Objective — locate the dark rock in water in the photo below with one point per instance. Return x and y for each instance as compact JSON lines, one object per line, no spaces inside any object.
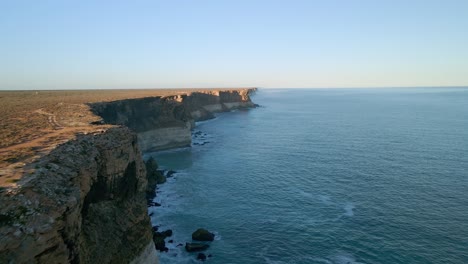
{"x":210,"y":255}
{"x":159,"y":243}
{"x":167,"y":233}
{"x":155,"y":228}
{"x":158,"y":238}
{"x":179,"y":245}
{"x":203,"y":235}
{"x":163,"y":234}
{"x":170,"y":241}
{"x":201,"y":256}
{"x":192,"y":247}
{"x":170,"y":173}
{"x":154,"y":204}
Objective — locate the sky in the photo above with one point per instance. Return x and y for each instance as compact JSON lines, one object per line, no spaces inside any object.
{"x":239,"y":43}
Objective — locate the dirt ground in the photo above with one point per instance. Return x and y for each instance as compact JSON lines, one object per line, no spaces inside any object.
{"x":34,"y":122}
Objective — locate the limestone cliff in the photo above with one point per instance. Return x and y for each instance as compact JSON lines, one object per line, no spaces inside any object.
{"x":165,"y":122}
{"x":83,"y":203}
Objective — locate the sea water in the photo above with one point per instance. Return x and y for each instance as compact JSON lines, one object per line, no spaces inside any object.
{"x":325,"y":176}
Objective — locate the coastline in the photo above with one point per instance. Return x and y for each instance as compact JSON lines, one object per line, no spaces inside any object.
{"x":166,"y":199}
{"x":95,"y":182}
{"x":169,"y":200}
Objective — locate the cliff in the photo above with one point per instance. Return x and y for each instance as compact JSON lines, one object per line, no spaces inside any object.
{"x":84,"y":201}
{"x":165,"y":122}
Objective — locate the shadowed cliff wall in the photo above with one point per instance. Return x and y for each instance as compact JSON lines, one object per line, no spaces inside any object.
{"x":85,"y":203}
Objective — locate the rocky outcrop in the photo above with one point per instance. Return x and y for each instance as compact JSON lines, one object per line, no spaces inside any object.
{"x":165,"y":122}
{"x":202,"y":234}
{"x":82,"y":203}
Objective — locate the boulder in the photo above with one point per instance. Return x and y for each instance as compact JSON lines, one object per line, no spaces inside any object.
{"x":192,"y":247}
{"x":203,"y":235}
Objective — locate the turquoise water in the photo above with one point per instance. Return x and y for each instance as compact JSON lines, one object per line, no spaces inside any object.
{"x":326,"y":176}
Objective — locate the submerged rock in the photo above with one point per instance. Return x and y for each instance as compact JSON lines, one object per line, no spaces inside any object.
{"x":192,"y":247}
{"x":201,"y":256}
{"x":203,"y":235}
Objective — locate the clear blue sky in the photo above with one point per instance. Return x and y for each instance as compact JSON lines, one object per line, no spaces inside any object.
{"x":155,"y":44}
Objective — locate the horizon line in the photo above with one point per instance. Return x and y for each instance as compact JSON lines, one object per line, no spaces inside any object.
{"x":246,"y":87}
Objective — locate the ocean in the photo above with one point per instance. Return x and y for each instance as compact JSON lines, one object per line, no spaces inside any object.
{"x":325,"y":176}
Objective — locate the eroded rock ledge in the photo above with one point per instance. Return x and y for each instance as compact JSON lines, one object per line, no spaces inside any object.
{"x":85,"y":202}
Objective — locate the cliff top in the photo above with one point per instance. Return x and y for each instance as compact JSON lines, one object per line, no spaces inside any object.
{"x":32,"y":123}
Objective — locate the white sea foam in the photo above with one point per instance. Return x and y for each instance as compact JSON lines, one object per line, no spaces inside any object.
{"x":344,"y":258}
{"x":305,"y":194}
{"x":270,"y":261}
{"x":325,"y":199}
{"x":349,"y":207}
{"x":205,"y":121}
{"x":217,"y":236}
{"x":319,"y":260}
{"x":263,"y":253}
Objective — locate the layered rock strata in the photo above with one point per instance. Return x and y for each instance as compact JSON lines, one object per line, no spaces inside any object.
{"x":165,"y":122}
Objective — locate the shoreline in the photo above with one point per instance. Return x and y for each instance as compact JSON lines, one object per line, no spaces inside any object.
{"x":167,"y":199}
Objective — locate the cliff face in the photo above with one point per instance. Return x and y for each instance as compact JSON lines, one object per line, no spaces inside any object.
{"x":85,"y":203}
{"x":165,"y":122}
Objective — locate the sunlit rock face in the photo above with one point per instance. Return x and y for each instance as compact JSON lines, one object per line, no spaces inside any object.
{"x":165,"y":122}
{"x":85,"y":203}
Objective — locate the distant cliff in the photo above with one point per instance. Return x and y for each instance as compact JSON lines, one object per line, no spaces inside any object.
{"x":165,"y":122}
{"x":84,"y":202}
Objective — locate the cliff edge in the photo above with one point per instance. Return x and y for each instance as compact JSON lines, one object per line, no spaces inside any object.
{"x":165,"y":122}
